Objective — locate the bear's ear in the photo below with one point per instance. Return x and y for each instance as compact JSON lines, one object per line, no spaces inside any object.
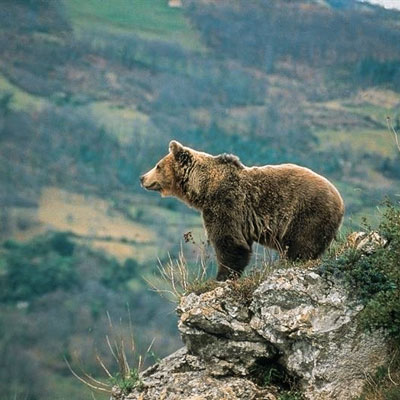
{"x":180,"y":153}
{"x":175,"y":147}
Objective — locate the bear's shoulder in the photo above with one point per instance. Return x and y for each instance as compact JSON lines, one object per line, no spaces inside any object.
{"x":229,"y":159}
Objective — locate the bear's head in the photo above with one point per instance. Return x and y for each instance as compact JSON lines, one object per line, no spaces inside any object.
{"x":171,"y":171}
{"x":190,"y":175}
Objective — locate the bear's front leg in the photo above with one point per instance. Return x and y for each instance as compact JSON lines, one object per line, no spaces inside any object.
{"x":232,"y":257}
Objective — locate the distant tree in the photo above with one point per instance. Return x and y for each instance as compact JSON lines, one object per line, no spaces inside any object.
{"x":5,"y":222}
{"x":5,"y":102}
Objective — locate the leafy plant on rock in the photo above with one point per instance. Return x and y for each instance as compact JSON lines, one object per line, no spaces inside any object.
{"x":374,"y":275}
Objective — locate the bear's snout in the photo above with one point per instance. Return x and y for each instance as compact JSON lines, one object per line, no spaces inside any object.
{"x":148,"y":182}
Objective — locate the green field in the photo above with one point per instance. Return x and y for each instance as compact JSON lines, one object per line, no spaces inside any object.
{"x":21,"y":100}
{"x":121,"y":121}
{"x":373,"y":141}
{"x":151,"y":19}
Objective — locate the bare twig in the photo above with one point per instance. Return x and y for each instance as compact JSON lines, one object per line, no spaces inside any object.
{"x":97,"y":382}
{"x":131,"y":329}
{"x":389,"y":375}
{"x":100,"y":361}
{"x":393,"y":130}
{"x":84,"y":381}
{"x":111,"y":348}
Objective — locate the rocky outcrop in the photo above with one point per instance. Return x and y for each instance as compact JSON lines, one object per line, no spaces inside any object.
{"x":182,"y":376}
{"x":297,"y":326}
{"x":313,"y":324}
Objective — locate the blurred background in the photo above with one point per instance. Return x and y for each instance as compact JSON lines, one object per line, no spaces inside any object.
{"x":92,"y":91}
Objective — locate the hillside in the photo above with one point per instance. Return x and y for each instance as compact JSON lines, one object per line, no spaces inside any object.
{"x":90,"y":95}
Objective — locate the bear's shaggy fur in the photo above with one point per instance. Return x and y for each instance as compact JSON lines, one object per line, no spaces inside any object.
{"x":285,"y":207}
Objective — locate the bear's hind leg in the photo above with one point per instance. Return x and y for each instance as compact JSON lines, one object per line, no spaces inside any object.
{"x":309,"y":242}
{"x":232,"y":257}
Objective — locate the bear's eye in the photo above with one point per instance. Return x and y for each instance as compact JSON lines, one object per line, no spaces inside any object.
{"x":158,"y":167}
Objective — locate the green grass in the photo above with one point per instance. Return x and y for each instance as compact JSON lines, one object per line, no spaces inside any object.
{"x":373,"y":141}
{"x":128,"y":382}
{"x":376,"y":113}
{"x":21,"y":100}
{"x":151,"y":19}
{"x":121,"y":122}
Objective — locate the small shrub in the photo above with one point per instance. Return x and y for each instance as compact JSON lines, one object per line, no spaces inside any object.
{"x":375,"y":277}
{"x":127,"y":382}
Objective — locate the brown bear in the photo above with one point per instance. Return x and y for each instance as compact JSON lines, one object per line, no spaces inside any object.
{"x":285,"y":207}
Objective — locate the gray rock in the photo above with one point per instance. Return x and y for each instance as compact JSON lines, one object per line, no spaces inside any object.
{"x":182,"y":376}
{"x":313,"y":323}
{"x":215,"y":327}
{"x":297,"y":320}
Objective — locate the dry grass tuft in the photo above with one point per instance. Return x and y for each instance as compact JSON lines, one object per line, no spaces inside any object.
{"x":177,"y":278}
{"x":127,"y":376}
{"x":385,"y":384}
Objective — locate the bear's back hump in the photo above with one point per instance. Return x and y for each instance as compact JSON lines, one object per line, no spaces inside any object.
{"x":293,"y":180}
